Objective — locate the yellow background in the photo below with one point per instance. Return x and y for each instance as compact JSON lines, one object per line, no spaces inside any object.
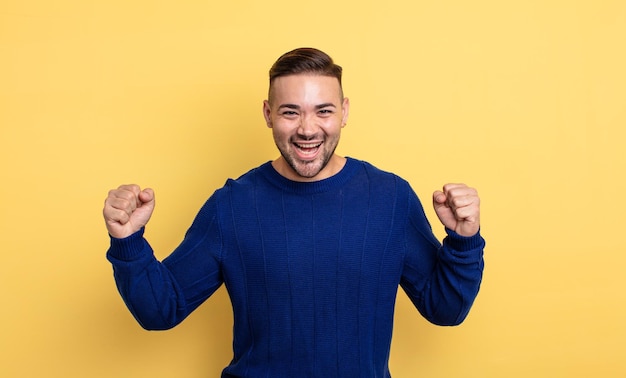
{"x":524,"y":100}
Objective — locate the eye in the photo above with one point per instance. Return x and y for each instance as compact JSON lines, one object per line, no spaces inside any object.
{"x":325,"y":112}
{"x":289,"y":113}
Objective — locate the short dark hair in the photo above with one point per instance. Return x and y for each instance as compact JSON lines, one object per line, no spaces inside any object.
{"x":305,"y":60}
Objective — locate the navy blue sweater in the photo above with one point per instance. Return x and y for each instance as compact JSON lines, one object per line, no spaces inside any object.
{"x":312,"y":271}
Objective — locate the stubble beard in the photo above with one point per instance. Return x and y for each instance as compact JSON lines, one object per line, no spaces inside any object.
{"x":309,"y":169}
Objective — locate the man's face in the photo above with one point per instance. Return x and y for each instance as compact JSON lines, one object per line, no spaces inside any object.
{"x":306,"y":113}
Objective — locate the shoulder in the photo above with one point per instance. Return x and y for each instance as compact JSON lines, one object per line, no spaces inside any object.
{"x":247,"y":179}
{"x":236,"y":187}
{"x":380,"y":176}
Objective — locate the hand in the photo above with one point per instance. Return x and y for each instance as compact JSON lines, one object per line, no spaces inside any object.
{"x":458,"y":208}
{"x":127,"y":209}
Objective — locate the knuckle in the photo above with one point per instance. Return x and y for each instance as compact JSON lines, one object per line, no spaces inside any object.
{"x":127,"y":196}
{"x":455,"y":201}
{"x":123,"y":203}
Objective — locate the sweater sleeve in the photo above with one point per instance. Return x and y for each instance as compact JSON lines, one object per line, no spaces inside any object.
{"x":442,"y":280}
{"x":161,"y":294}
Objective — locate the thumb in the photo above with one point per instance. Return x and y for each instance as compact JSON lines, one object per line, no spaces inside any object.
{"x":145,"y":207}
{"x":439,"y":199}
{"x":146,"y":197}
{"x":443,"y":210}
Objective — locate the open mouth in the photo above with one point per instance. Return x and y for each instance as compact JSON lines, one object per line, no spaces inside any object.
{"x":307,"y":149}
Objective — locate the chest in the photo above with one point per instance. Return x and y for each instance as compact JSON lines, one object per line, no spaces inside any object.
{"x":337,"y":241}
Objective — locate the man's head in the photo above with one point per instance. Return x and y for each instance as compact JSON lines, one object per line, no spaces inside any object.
{"x":306,"y":111}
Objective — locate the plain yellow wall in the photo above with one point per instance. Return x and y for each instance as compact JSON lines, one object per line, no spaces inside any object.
{"x":524,"y":100}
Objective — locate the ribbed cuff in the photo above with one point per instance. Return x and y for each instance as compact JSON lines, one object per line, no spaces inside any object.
{"x":130,"y":248}
{"x":462,"y":243}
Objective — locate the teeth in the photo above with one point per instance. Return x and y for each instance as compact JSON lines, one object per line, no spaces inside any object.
{"x":308,"y":145}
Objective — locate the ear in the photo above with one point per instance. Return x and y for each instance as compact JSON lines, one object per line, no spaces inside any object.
{"x":345,"y":111}
{"x":267,"y":111}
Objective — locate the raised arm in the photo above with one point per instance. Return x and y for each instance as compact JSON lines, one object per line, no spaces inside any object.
{"x":442,"y":280}
{"x":160,"y":294}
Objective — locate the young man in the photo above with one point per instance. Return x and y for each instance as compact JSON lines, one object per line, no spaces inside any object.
{"x":311,"y":247}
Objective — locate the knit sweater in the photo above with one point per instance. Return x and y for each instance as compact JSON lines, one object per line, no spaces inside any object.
{"x":312,"y":270}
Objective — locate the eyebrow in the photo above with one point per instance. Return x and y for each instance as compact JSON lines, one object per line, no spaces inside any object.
{"x":297,"y":107}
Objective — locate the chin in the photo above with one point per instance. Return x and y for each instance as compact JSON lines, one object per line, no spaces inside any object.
{"x":308,"y":172}
{"x":307,"y":169}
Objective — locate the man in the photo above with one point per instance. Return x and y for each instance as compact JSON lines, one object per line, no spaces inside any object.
{"x":311,"y":246}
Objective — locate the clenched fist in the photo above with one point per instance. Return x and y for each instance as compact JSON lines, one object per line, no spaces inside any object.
{"x":458,"y":208}
{"x":127,"y":209}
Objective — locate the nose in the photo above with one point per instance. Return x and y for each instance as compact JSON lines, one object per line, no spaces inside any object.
{"x":308,"y":126}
